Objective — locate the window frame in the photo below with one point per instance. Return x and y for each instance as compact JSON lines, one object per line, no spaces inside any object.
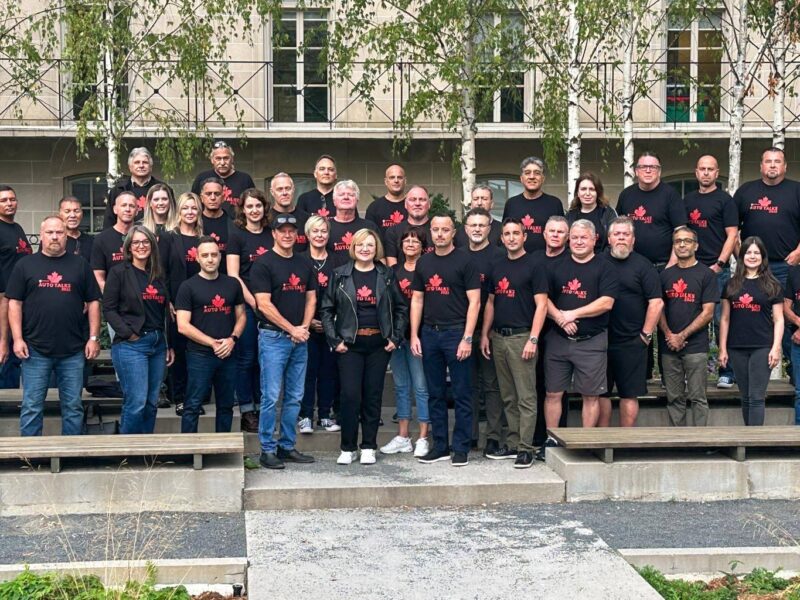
{"x":90,"y":211}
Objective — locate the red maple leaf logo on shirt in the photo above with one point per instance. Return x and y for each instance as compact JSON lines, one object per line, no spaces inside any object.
{"x":141,"y":202}
{"x":323,"y":212}
{"x":363,"y":292}
{"x":435,"y":281}
{"x":54,"y":277}
{"x":764,"y":201}
{"x":293,"y":279}
{"x":679,"y":286}
{"x":261,"y":250}
{"x":503,"y":283}
{"x":640,"y":212}
{"x":574,"y":285}
{"x":396,"y":217}
{"x":191,"y":254}
{"x":215,"y":236}
{"x":22,"y":244}
{"x":527,"y":221}
{"x":745,"y":299}
{"x":404,"y":283}
{"x":150,"y":290}
{"x":227,"y":193}
{"x":322,"y":278}
{"x":347,"y":238}
{"x":218,"y":301}
{"x":695,"y":215}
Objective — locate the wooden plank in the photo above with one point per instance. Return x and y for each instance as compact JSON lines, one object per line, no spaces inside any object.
{"x":14,"y":397}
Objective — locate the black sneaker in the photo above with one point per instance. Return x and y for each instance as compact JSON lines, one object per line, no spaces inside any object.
{"x":294,"y":456}
{"x":548,"y":443}
{"x":502,"y":453}
{"x":163,"y":402}
{"x":492,"y":447}
{"x":460,"y":459}
{"x":395,"y":419}
{"x":179,"y":409}
{"x":434,"y":456}
{"x":269,"y":460}
{"x":524,"y":460}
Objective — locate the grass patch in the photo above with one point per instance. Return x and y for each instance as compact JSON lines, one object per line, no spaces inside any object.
{"x":759,"y":584}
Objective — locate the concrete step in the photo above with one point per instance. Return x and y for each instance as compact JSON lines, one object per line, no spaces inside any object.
{"x":399,"y":480}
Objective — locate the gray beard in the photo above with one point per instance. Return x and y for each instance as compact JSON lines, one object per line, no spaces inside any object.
{"x":620,"y":254}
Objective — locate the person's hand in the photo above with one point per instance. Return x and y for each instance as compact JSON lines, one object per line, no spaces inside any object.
{"x":571,"y":328}
{"x":793,"y":258}
{"x":21,"y":350}
{"x":486,"y":347}
{"x":389,"y":347}
{"x":5,"y":351}
{"x":464,"y":350}
{"x":223,"y":348}
{"x":299,"y":334}
{"x":796,"y":336}
{"x":416,"y":346}
{"x":133,"y":337}
{"x":675,"y":341}
{"x":341,"y":348}
{"x":92,"y":349}
{"x":722,"y":358}
{"x":316,"y":325}
{"x":529,"y":351}
{"x":716,"y":268}
{"x":774,"y":358}
{"x":170,"y":357}
{"x":568,"y":316}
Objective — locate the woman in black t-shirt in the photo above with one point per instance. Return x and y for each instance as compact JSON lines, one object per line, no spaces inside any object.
{"x":589,"y":202}
{"x":159,"y":208}
{"x":249,"y":239}
{"x":751,"y":327}
{"x":135,"y":304}
{"x":364,"y":317}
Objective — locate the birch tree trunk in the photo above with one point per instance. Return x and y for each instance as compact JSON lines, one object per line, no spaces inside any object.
{"x":738,"y":95}
{"x":469,"y":128}
{"x":108,"y":103}
{"x":573,"y":98}
{"x":777,"y":79}
{"x":627,"y":104}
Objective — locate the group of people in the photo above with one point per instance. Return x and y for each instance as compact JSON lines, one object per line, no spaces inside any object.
{"x":303,"y":301}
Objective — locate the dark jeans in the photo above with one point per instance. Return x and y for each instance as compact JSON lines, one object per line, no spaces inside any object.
{"x":722,"y":279}
{"x":176,"y":374}
{"x":322,"y":378}
{"x":438,"y":356}
{"x":362,"y":371}
{"x":204,"y":370}
{"x":11,"y":370}
{"x":751,"y":366}
{"x":248,"y":388}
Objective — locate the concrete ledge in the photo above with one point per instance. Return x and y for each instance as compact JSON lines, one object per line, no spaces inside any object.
{"x":711,"y":561}
{"x":653,"y":414}
{"x":124,"y":488}
{"x":169,"y":571}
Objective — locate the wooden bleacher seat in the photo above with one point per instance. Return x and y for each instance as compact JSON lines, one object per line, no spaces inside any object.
{"x":13,"y":398}
{"x":94,"y":446}
{"x":603,"y":440}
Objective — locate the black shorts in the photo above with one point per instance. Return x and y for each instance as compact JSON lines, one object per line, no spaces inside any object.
{"x":627,"y":368}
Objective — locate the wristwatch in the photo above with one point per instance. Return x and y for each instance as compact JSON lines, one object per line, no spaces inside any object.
{"x":647,"y":336}
{"x":533,"y":339}
{"x":92,"y":338}
{"x":721,"y":264}
{"x":235,"y":338}
{"x":468,"y":339}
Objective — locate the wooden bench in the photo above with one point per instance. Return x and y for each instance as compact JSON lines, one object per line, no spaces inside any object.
{"x":13,"y":398}
{"x":93,"y":446}
{"x":604,"y":440}
{"x":778,"y":390}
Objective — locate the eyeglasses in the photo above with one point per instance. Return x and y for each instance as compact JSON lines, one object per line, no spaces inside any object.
{"x":648,"y":167}
{"x":684,"y":242}
{"x":142,"y":243}
{"x":220,"y":144}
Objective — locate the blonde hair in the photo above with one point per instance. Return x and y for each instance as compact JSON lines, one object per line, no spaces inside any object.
{"x":316,"y":221}
{"x":360,"y":236}
{"x":175,"y":221}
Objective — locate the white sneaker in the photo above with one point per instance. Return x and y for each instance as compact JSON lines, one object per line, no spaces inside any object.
{"x":397,"y":445}
{"x":421,"y":448}
{"x":347,"y":458}
{"x":329,"y":425}
{"x":306,"y":426}
{"x":368,"y":456}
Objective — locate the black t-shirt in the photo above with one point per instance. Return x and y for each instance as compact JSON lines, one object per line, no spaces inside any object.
{"x":655,"y":214}
{"x":219,"y":228}
{"x":445,"y":281}
{"x":514,"y":283}
{"x":212,"y":304}
{"x":495,"y":235}
{"x":189,"y":245}
{"x":154,"y":298}
{"x":392,"y":245}
{"x":81,"y":245}
{"x":315,"y":202}
{"x":13,"y":246}
{"x":709,"y":214}
{"x":287,"y":280}
{"x":366,"y":297}
{"x":107,"y":249}
{"x":574,"y":285}
{"x":302,"y":242}
{"x":792,"y":291}
{"x":385,"y":214}
{"x":341,"y":235}
{"x":533,"y":214}
{"x":233,"y":186}
{"x":685,"y":291}
{"x":751,"y":324}
{"x":126,"y":184}
{"x":248,"y":246}
{"x":483,"y":260}
{"x":772,"y":212}
{"x":404,"y":279}
{"x":638,"y":284}
{"x":53,"y":292}
{"x":324,"y":269}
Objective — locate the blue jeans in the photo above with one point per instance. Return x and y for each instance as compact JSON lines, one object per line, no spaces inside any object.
{"x":204,"y":369}
{"x":247,"y":363}
{"x":283,"y":364}
{"x":439,"y":355}
{"x":780,"y":270}
{"x":10,"y":370}
{"x":140,"y":367}
{"x":722,"y":279}
{"x":408,"y":373}
{"x":321,"y":378}
{"x":35,"y":378}
{"x":796,"y":367}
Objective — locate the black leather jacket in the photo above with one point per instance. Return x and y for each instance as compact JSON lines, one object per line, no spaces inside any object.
{"x":338,"y":309}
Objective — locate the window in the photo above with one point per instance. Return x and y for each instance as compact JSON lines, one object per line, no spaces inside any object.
{"x":694,"y":69}
{"x":503,"y":187}
{"x":684,"y":184}
{"x":507,"y":104}
{"x":91,"y":190}
{"x":299,"y":77}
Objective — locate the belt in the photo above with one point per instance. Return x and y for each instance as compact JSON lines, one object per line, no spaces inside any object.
{"x":446,"y":327}
{"x":270,"y":327}
{"x":509,"y":331}
{"x":579,"y":338}
{"x":368,"y":331}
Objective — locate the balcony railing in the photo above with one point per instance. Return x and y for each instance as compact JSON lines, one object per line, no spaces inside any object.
{"x":54,"y":100}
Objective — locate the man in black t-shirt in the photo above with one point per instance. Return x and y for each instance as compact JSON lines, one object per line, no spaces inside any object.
{"x":140,"y":166}
{"x":515,"y":313}
{"x":346,"y":221}
{"x":482,"y":197}
{"x":210,"y":313}
{"x":233,"y":182}
{"x":54,"y":314}
{"x":533,"y":207}
{"x":216,"y":223}
{"x":633,"y":320}
{"x":13,"y":246}
{"x":107,"y":246}
{"x":418,"y":205}
{"x":444,"y":311}
{"x":319,"y":201}
{"x":78,"y":242}
{"x":284,"y":284}
{"x":281,"y":188}
{"x":690,"y":293}
{"x":389,"y":210}
{"x":713,"y":217}
{"x":582,"y":292}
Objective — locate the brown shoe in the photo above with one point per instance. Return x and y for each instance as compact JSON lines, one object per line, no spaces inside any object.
{"x":250,"y":422}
